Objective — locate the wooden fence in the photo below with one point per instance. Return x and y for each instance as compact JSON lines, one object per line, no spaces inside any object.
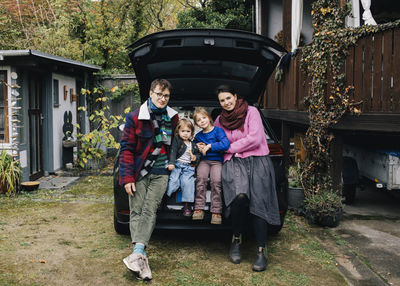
{"x":372,"y":67}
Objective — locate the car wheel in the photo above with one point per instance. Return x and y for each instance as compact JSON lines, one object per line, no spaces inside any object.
{"x":120,"y":228}
{"x":349,"y":193}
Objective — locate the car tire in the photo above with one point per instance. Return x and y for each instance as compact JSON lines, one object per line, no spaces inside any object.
{"x":120,"y":228}
{"x":349,"y":193}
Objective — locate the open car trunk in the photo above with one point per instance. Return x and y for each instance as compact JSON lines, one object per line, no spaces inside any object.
{"x":196,"y":61}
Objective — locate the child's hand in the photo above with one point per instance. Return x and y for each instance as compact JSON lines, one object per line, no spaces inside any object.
{"x":205,"y":149}
{"x":200,"y":145}
{"x":170,"y":167}
{"x":192,"y":157}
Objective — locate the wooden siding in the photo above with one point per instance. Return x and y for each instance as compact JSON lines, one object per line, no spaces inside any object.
{"x":372,"y":67}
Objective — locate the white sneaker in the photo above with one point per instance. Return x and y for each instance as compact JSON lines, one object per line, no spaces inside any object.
{"x":145,"y":272}
{"x":133,"y":262}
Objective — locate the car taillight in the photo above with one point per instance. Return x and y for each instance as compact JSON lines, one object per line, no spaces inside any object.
{"x":275,"y":149}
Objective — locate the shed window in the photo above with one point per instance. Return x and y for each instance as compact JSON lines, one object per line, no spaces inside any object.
{"x":3,"y":108}
{"x":55,"y":93}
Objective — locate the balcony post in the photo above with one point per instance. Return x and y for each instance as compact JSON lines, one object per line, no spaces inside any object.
{"x":287,"y":23}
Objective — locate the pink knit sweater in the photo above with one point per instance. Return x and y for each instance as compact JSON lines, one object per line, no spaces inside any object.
{"x":251,"y":141}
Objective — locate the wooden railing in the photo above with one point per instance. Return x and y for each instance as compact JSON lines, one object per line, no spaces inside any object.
{"x":372,"y":67}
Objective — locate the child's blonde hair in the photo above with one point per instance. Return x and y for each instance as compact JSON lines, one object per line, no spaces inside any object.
{"x":184,"y":122}
{"x":201,"y":111}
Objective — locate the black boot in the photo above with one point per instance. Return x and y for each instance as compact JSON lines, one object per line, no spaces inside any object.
{"x":261,"y":261}
{"x":234,"y":252}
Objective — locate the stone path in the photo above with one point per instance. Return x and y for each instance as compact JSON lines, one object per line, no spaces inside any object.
{"x":53,"y":182}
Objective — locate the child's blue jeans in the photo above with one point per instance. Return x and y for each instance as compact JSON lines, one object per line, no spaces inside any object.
{"x":182,"y":176}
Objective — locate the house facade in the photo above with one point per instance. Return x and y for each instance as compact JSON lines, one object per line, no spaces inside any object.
{"x":287,"y":16}
{"x":37,"y":91}
{"x":372,"y":67}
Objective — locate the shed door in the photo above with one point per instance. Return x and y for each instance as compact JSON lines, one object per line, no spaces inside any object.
{"x":35,"y":128}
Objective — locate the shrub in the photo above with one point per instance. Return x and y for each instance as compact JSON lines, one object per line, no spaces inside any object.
{"x":10,"y":174}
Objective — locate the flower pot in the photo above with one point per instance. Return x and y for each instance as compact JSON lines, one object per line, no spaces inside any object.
{"x":30,"y":185}
{"x":94,"y":164}
{"x":295,"y":198}
{"x":68,"y":144}
{"x":325,"y":219}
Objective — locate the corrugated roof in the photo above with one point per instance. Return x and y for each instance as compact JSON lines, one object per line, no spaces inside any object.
{"x":16,"y":53}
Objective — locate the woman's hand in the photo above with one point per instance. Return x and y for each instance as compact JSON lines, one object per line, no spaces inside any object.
{"x":170,"y":167}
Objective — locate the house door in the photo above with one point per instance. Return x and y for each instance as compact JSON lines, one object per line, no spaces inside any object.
{"x":35,"y":128}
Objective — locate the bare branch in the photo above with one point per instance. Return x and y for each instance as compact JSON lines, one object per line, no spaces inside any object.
{"x":20,"y":20}
{"x":52,"y":11}
{"x":35,"y":13}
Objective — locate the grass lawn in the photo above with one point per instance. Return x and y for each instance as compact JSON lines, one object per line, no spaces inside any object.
{"x":53,"y":237}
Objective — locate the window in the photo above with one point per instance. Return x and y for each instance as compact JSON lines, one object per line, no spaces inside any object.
{"x":55,"y":93}
{"x":3,"y":108}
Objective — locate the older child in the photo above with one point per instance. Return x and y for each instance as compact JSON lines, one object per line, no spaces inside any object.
{"x":212,"y":141}
{"x":184,"y":154}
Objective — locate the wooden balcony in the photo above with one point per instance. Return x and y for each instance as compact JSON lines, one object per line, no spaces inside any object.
{"x":372,"y":67}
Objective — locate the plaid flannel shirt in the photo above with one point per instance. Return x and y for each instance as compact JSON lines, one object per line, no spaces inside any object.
{"x":136,"y":142}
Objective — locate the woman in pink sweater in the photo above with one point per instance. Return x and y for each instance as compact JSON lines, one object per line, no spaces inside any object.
{"x":248,"y":178}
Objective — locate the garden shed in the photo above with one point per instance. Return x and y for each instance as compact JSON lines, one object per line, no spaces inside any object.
{"x":36,"y":91}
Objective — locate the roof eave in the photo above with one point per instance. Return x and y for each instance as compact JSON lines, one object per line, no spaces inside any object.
{"x":17,"y":53}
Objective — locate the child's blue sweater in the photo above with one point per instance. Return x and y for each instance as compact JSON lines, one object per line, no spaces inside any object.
{"x":219,"y":143}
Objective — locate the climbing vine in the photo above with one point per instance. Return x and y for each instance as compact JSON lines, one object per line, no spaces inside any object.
{"x":327,"y":104}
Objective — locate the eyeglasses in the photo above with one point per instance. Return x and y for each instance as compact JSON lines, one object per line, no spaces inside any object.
{"x":161,"y":95}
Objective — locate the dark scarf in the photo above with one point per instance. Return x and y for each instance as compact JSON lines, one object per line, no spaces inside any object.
{"x":162,"y":135}
{"x":234,"y":119}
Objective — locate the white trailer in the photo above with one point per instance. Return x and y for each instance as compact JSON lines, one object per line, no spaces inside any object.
{"x":380,"y":166}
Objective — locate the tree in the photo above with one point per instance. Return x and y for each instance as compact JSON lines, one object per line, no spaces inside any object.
{"x":229,"y":14}
{"x":96,"y":32}
{"x":162,"y":14}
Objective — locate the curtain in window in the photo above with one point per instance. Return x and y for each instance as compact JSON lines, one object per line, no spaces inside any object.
{"x":367,"y":15}
{"x":3,"y":106}
{"x":297,"y":22}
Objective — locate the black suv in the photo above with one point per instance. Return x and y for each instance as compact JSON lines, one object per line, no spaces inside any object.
{"x":196,"y":61}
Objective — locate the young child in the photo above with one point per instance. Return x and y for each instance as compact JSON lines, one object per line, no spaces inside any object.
{"x":211,"y":141}
{"x":183,"y":157}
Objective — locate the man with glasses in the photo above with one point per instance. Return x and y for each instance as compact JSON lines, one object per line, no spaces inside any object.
{"x":145,"y":145}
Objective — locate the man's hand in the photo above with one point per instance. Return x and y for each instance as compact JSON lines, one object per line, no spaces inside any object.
{"x":130,"y":188}
{"x":170,"y":167}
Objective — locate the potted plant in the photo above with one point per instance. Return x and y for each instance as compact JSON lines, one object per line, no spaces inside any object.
{"x":69,"y":141}
{"x":295,"y":191}
{"x":325,"y":208}
{"x":10,"y":174}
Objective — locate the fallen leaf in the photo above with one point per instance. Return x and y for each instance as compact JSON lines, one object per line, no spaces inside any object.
{"x":42,"y":261}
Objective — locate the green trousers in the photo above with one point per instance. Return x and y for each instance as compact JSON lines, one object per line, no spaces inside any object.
{"x":143,"y":206}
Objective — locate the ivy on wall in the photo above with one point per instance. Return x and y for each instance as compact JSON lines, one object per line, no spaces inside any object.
{"x":327,"y":104}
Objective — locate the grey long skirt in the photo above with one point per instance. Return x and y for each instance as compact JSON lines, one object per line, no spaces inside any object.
{"x":255,"y":177}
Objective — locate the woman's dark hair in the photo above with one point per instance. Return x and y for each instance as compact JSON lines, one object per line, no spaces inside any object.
{"x":224,"y":88}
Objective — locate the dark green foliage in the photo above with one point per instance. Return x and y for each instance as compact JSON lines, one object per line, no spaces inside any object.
{"x":229,"y":14}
